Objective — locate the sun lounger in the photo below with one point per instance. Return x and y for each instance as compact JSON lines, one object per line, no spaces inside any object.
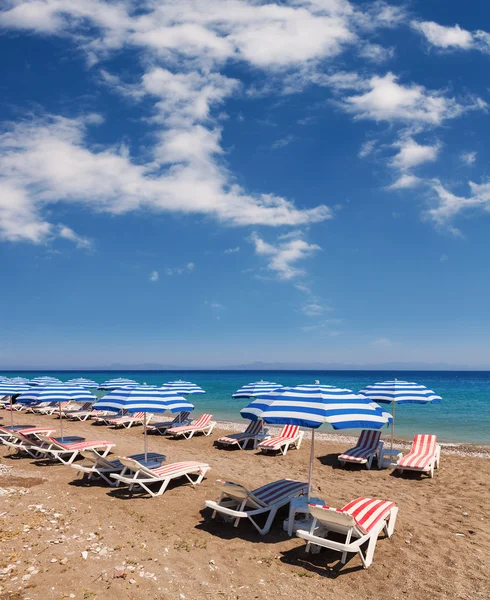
{"x":161,"y":427}
{"x":127,"y":421}
{"x":52,"y":408}
{"x":95,"y":466}
{"x":289,"y":436}
{"x":361,"y":521}
{"x":237,"y":502}
{"x":26,"y":439}
{"x":68,"y":412}
{"x":84,"y":415}
{"x":106,"y":417}
{"x":254,"y":433}
{"x":366,"y":448}
{"x":424,"y":455}
{"x":138,"y":474}
{"x":202,"y":425}
{"x":67,"y":451}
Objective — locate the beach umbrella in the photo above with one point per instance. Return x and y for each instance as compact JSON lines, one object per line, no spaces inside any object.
{"x":18,"y":380}
{"x":183,"y":388}
{"x":114,"y":384}
{"x":313,"y":405}
{"x":86,"y":383}
{"x":143,"y":398}
{"x":45,"y":381}
{"x":258,"y":387}
{"x":399,"y":392}
{"x":56,"y":393}
{"x":9,"y":389}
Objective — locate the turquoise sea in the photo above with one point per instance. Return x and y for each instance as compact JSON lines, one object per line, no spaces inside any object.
{"x":463,"y":416}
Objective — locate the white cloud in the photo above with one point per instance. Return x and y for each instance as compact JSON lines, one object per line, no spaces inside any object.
{"x":387,"y":100}
{"x":453,"y":37}
{"x":283,"y":142}
{"x":382,"y":342}
{"x":68,"y":234}
{"x":469,"y":158}
{"x":314,"y":309}
{"x":448,"y":205}
{"x":444,"y":37}
{"x":154,"y":276}
{"x":376,"y":53}
{"x":190,"y":266}
{"x":412,"y":154}
{"x":232,"y":250}
{"x":406,"y":181}
{"x":328,"y":326}
{"x":284,"y":256}
{"x":367,"y":148}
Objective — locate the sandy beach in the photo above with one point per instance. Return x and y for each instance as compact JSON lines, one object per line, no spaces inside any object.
{"x":61,"y":538}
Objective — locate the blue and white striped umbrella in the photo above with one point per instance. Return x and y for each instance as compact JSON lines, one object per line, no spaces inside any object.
{"x":114,"y":384}
{"x":9,"y":389}
{"x":399,"y":392}
{"x":311,"y":406}
{"x":45,"y":381}
{"x":86,"y":383}
{"x":143,"y":398}
{"x":56,"y":393}
{"x":258,"y":387}
{"x":182,"y":387}
{"x":17,"y":380}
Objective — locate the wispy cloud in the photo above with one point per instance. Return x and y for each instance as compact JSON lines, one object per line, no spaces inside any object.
{"x":469,"y":158}
{"x":154,"y":276}
{"x":382,"y":342}
{"x":453,"y":37}
{"x":188,"y":268}
{"x":284,"y":256}
{"x":283,"y":142}
{"x":314,"y":309}
{"x":232,"y":250}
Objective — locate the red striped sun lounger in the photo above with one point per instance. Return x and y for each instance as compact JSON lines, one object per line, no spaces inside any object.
{"x":162,"y":426}
{"x":361,"y":521}
{"x":424,"y":455}
{"x":237,"y":502}
{"x":290,"y":436}
{"x":137,"y":474}
{"x":365,"y":450}
{"x":202,"y":425}
{"x":96,"y":467}
{"x":130,"y":419}
{"x":69,"y":412}
{"x":254,"y":433}
{"x":67,"y":452}
{"x":22,"y":439}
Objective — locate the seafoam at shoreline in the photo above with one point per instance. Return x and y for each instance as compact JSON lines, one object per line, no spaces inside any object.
{"x":473,"y":450}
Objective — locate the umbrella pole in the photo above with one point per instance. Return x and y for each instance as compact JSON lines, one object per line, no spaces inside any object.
{"x":312,"y":453}
{"x":146,"y":439}
{"x":393,"y":423}
{"x":61,"y":421}
{"x":11,"y":412}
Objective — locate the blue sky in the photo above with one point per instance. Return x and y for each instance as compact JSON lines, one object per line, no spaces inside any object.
{"x":204,"y":184}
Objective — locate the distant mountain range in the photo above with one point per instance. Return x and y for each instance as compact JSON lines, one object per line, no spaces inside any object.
{"x":267,"y":366}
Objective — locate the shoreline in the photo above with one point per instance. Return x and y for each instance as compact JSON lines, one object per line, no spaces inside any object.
{"x":456,"y":448}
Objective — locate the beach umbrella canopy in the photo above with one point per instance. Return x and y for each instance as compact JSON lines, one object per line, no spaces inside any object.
{"x":399,"y":392}
{"x":56,"y":393}
{"x":258,"y":387}
{"x":45,"y":381}
{"x":312,"y":406}
{"x":143,"y":398}
{"x":114,"y":384}
{"x":10,"y":389}
{"x":182,"y":387}
{"x":86,"y":383}
{"x":18,"y":380}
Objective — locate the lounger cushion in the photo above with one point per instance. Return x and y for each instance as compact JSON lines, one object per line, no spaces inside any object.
{"x":367,"y":444}
{"x":366,"y":512}
{"x":274,"y":492}
{"x":421,"y":454}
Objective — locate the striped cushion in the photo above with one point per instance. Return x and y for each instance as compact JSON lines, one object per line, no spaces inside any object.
{"x":422,"y":452}
{"x":366,"y":512}
{"x":254,"y":427}
{"x":233,"y":439}
{"x":176,"y":467}
{"x":366,"y":444}
{"x":277,"y":491}
{"x":288,"y":433}
{"x":202,"y":422}
{"x":82,"y":445}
